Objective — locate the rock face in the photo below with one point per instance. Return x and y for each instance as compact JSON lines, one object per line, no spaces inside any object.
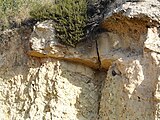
{"x":115,"y":76}
{"x":44,"y":88}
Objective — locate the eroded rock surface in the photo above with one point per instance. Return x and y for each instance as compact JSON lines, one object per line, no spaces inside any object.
{"x":44,"y":88}
{"x":131,"y":86}
{"x":115,"y":76}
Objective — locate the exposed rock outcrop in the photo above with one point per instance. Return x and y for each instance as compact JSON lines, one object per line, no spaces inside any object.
{"x":44,"y":88}
{"x":115,"y":76}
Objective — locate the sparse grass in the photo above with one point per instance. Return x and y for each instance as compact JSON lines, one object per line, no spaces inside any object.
{"x":13,"y":12}
{"x":69,"y":16}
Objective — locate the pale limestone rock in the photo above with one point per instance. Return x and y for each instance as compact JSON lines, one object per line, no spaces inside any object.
{"x":43,"y":36}
{"x":131,"y":89}
{"x":44,"y":88}
{"x":129,"y":94}
{"x":146,"y":9}
{"x":153,"y":40}
{"x":43,"y":79}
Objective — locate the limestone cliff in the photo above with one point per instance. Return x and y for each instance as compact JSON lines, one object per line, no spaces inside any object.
{"x":115,"y":76}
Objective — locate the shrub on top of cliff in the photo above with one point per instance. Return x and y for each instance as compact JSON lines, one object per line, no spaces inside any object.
{"x":69,"y":17}
{"x":42,"y":11}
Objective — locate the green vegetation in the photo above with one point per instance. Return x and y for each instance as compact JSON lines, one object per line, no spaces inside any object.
{"x":69,"y":16}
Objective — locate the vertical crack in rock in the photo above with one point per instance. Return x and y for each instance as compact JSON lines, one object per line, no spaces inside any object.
{"x":99,"y":59}
{"x":100,"y":77}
